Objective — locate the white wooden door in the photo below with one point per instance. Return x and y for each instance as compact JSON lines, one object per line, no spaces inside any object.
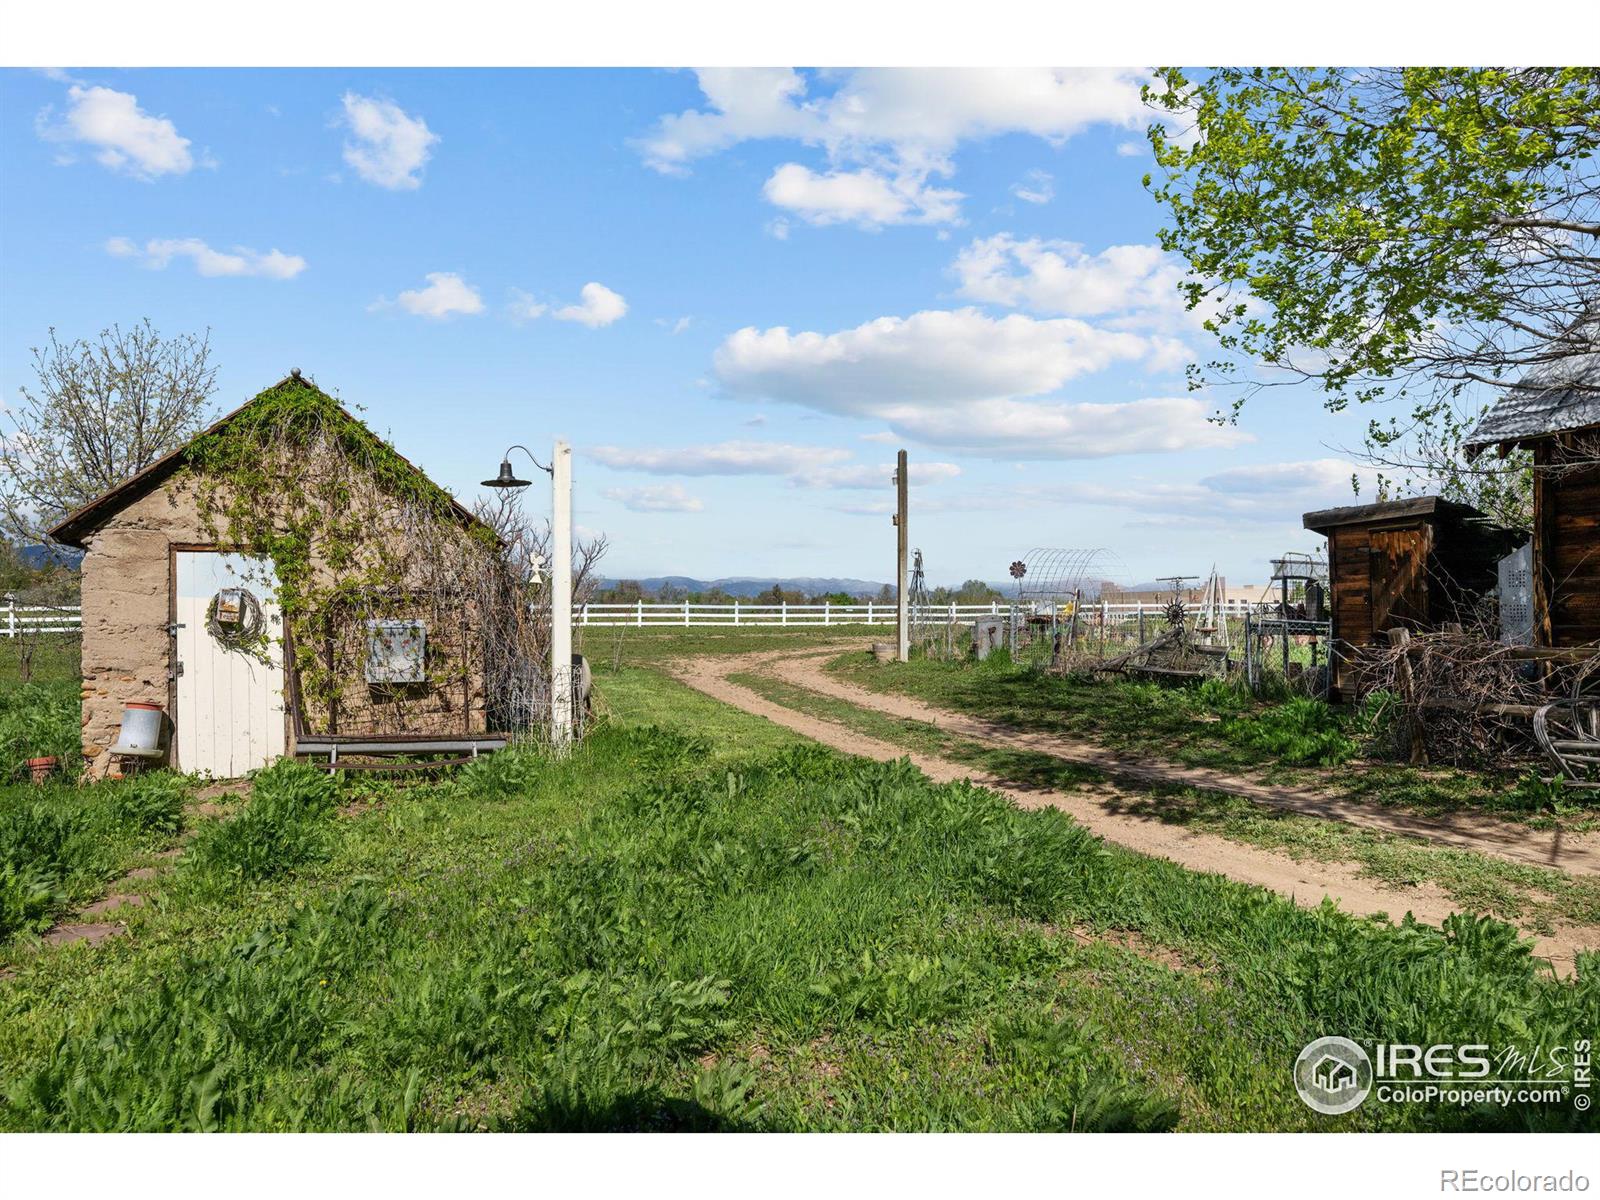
{"x":229,"y":717}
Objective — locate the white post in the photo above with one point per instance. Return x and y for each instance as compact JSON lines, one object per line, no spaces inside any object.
{"x":561,"y":598}
{"x":783,"y":612}
{"x":826,"y":610}
{"x":869,"y":612}
{"x":638,"y":613}
{"x":735,"y":612}
{"x":902,"y":606}
{"x":686,"y":614}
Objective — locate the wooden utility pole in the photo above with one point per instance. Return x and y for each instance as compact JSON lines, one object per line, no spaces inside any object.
{"x":902,"y":612}
{"x":561,"y":598}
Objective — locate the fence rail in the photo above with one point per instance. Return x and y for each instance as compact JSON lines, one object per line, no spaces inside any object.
{"x":686,"y":614}
{"x":643,"y":614}
{"x":18,"y":620}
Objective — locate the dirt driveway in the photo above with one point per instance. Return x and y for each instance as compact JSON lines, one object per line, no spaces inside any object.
{"x":1103,"y":810}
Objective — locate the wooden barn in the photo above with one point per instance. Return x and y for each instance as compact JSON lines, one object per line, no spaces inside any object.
{"x":285,"y":583}
{"x":1415,"y":563}
{"x":1554,"y":412}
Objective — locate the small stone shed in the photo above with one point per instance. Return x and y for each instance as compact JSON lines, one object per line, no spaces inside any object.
{"x":1415,"y":563}
{"x":1554,"y":412}
{"x":283,"y":584}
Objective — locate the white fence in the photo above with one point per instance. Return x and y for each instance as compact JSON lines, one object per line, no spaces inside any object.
{"x":18,"y":620}
{"x":684,"y":614}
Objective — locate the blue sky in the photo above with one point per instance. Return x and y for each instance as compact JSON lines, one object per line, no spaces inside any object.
{"x":737,"y":293}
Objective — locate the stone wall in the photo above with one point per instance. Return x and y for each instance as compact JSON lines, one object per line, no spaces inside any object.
{"x":126,"y":584}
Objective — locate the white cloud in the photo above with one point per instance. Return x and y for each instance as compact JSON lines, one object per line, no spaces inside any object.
{"x":863,"y":477}
{"x":1062,"y":277}
{"x":599,"y":306}
{"x":1320,"y":476}
{"x":1132,"y":149}
{"x":240,"y":261}
{"x":674,"y":327}
{"x":802,"y":466}
{"x":916,"y":114}
{"x":524,"y":307}
{"x":446,"y":295}
{"x":1265,"y":492}
{"x":1004,"y":428}
{"x":863,"y":197}
{"x":1037,"y":187}
{"x":125,"y":137}
{"x":933,"y":357}
{"x":963,"y":379}
{"x":722,"y":458}
{"x":656,"y":498}
{"x":387,"y":147}
{"x":902,"y":125}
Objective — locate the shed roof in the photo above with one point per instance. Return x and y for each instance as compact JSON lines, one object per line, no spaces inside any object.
{"x":76,"y":526}
{"x":1553,"y":397}
{"x":1411,"y":506}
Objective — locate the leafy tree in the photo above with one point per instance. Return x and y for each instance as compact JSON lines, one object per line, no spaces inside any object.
{"x":99,"y":413}
{"x":976,"y":591}
{"x":1405,"y":234}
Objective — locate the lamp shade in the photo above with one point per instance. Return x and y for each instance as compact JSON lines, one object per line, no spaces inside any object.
{"x":505,"y":479}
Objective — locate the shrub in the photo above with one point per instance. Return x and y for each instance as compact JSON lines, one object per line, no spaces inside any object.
{"x":502,"y":776}
{"x":282,"y":827}
{"x":152,"y":802}
{"x":39,"y":719}
{"x":1300,"y":731}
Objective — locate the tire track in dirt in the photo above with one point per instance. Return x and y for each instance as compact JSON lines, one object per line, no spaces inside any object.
{"x":1575,"y":854}
{"x":1306,"y":883}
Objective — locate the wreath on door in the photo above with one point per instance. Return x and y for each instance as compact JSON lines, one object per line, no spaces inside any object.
{"x":235,"y":619}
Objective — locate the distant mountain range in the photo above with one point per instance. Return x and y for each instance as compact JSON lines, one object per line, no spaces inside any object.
{"x":48,"y":556}
{"x":744,"y":585}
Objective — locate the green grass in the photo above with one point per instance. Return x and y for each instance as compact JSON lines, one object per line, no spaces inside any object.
{"x":610,"y":646}
{"x":1535,"y":897}
{"x":667,"y":931}
{"x":1212,"y":726}
{"x":55,"y":660}
{"x":59,"y":843}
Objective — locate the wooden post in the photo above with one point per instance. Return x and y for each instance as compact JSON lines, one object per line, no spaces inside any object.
{"x":1401,"y":640}
{"x":902,"y":552}
{"x":1285,"y":615}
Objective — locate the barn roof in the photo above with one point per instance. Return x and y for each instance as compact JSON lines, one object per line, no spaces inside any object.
{"x":76,"y":526}
{"x":1553,"y":397}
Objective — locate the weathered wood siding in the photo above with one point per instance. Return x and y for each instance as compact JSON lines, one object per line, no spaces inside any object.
{"x":1567,"y":556}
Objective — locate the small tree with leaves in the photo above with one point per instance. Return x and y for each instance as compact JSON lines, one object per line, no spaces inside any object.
{"x":1420,"y":235}
{"x":99,"y":413}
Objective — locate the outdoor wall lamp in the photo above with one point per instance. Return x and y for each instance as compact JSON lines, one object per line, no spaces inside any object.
{"x":507,"y":478}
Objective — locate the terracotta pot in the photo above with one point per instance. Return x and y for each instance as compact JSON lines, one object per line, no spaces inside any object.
{"x":41,"y":768}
